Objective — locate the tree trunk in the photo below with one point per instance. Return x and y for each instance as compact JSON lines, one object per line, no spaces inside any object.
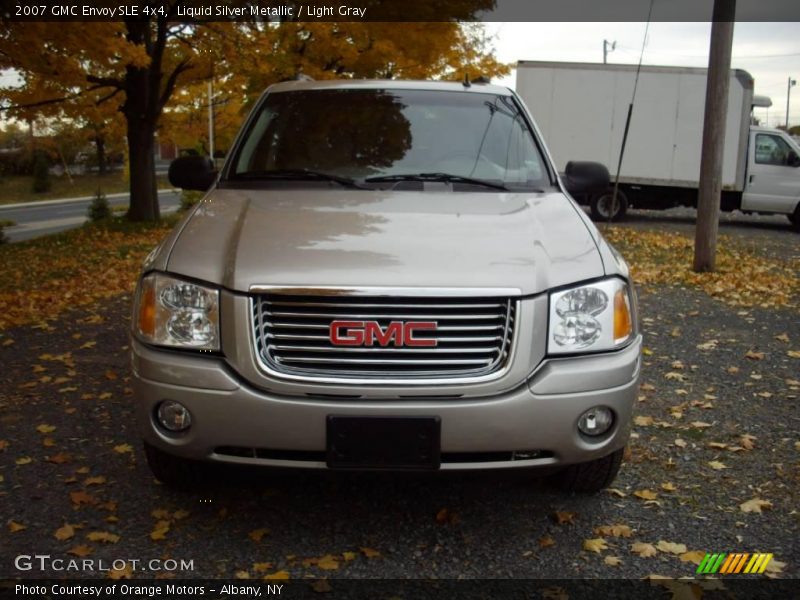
{"x":100,"y":146}
{"x":144,"y":196}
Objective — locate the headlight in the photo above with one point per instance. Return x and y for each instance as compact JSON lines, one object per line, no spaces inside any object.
{"x":590,"y":318}
{"x":172,"y":312}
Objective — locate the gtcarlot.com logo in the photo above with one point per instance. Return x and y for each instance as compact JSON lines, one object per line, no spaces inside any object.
{"x":45,"y":562}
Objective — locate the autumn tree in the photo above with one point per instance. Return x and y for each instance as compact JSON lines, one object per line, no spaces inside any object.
{"x":144,"y":63}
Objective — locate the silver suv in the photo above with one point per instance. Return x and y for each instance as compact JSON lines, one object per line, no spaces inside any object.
{"x":386,"y":275}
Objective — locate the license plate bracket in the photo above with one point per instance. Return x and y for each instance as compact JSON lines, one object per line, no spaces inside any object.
{"x":383,"y":442}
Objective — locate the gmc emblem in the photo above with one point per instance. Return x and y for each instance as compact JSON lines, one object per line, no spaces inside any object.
{"x":370,"y":333}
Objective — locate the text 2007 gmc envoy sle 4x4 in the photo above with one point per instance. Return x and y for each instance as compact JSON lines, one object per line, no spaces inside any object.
{"x":386,"y":275}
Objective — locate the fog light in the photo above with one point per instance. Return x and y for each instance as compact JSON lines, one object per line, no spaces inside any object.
{"x":596,"y":421}
{"x":173,"y":416}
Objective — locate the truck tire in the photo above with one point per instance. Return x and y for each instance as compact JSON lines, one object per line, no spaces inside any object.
{"x":601,"y":203}
{"x":795,"y":218}
{"x":174,"y":471}
{"x":590,"y":477}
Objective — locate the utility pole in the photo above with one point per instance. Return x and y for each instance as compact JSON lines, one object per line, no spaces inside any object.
{"x":211,"y":118}
{"x":606,"y":46}
{"x":789,"y":86}
{"x":717,"y":83}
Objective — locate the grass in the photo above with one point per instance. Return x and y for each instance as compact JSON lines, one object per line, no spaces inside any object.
{"x":42,"y":278}
{"x":19,"y":188}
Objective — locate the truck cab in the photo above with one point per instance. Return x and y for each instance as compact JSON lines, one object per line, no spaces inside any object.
{"x":772,"y":182}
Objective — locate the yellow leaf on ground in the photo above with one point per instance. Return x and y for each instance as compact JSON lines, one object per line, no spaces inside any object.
{"x":328,"y":563}
{"x":162,"y":514}
{"x":671,"y":547}
{"x":563,"y":517}
{"x":369,"y":552}
{"x":613,"y":561}
{"x":348,"y":556}
{"x":87,"y":345}
{"x":616,"y":492}
{"x":99,"y":480}
{"x":755,"y":505}
{"x":645,"y":494}
{"x":321,"y":586}
{"x":644,"y":550}
{"x":257,"y":534}
{"x":546,"y":541}
{"x":680,"y":443}
{"x":700,"y":424}
{"x":65,"y":532}
{"x":716,"y":465}
{"x":80,"y":497}
{"x":595,"y":545}
{"x":693,"y":556}
{"x":159,"y":531}
{"x":746,"y":441}
{"x":180,"y":514}
{"x":123,"y":448}
{"x":260,"y":567}
{"x":43,"y":428}
{"x":752,"y":355}
{"x":617,"y":530}
{"x":668,"y":487}
{"x":24,"y":460}
{"x":241,"y":575}
{"x":102,"y":536}
{"x":14,"y":527}
{"x":775,"y":566}
{"x":643,"y":420}
{"x":277,"y":576}
{"x":793,"y":353}
{"x":80,"y":550}
{"x":125,"y":572}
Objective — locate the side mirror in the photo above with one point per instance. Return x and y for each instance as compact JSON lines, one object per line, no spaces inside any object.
{"x":586,"y":178}
{"x":192,"y":173}
{"x":793,"y":160}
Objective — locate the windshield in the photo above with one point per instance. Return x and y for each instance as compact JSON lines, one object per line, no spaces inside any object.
{"x":374,"y":134}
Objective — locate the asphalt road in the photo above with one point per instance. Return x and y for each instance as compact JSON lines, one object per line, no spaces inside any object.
{"x":691,"y":482}
{"x":42,"y":218}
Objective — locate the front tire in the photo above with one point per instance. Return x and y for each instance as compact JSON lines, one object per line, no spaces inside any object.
{"x":590,"y":477}
{"x":601,"y":206}
{"x":175,"y":471}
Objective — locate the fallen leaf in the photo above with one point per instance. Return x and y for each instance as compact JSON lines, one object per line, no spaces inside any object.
{"x":700,"y":424}
{"x":3,"y":444}
{"x":643,"y":550}
{"x":180,"y":514}
{"x":752,"y":355}
{"x":755,"y":505}
{"x":717,"y":465}
{"x":616,"y":492}
{"x":693,"y":556}
{"x":546,"y":541}
{"x":321,"y":586}
{"x":257,"y":534}
{"x":613,"y":561}
{"x":277,"y":576}
{"x":784,"y":337}
{"x":595,"y":545}
{"x":80,"y":550}
{"x":717,"y":445}
{"x":563,"y":517}
{"x":680,"y":443}
{"x":59,"y":459}
{"x":668,"y":487}
{"x":643,"y":420}
{"x":65,"y":532}
{"x":80,"y":497}
{"x":793,"y":353}
{"x":241,"y":575}
{"x":671,"y":547}
{"x":328,"y":563}
{"x":260,"y":567}
{"x":43,"y":428}
{"x":123,"y":448}
{"x":125,"y":572}
{"x":14,"y":527}
{"x":160,"y":531}
{"x":369,"y":552}
{"x":617,"y":530}
{"x":746,"y":441}
{"x":645,"y":494}
{"x":99,"y":480}
{"x":102,"y":536}
{"x":24,"y":460}
{"x":87,"y":345}
{"x":110,"y":375}
{"x":162,"y":514}
{"x":775,"y":566}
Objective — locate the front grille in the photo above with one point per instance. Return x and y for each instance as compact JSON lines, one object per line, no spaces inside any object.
{"x":473,"y":336}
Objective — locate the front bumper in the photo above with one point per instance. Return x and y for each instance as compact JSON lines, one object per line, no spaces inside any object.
{"x":533,"y":425}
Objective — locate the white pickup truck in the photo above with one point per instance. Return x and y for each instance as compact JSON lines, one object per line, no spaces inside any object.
{"x":581,"y":109}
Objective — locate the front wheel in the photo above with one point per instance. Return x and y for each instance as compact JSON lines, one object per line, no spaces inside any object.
{"x":592,"y":476}
{"x":604,"y":208}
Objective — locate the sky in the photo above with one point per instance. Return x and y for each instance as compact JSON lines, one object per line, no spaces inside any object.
{"x":770,"y":52}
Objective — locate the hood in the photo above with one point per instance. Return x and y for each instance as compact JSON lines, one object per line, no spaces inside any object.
{"x":350,"y":238}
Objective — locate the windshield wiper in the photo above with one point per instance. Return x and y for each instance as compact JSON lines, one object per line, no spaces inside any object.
{"x":444,"y":177}
{"x":298,"y":174}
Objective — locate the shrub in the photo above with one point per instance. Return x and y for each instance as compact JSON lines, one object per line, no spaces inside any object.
{"x":99,"y":209}
{"x":189,"y":198}
{"x":41,"y":173}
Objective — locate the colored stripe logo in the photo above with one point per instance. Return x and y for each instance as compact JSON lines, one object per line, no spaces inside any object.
{"x":732,"y":563}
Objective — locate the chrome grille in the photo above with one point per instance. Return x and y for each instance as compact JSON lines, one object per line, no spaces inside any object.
{"x":473,"y":336}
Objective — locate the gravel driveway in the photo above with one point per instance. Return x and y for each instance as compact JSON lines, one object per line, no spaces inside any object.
{"x":714,"y":465}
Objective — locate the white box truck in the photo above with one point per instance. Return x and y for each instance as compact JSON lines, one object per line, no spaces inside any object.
{"x":581,"y":109}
